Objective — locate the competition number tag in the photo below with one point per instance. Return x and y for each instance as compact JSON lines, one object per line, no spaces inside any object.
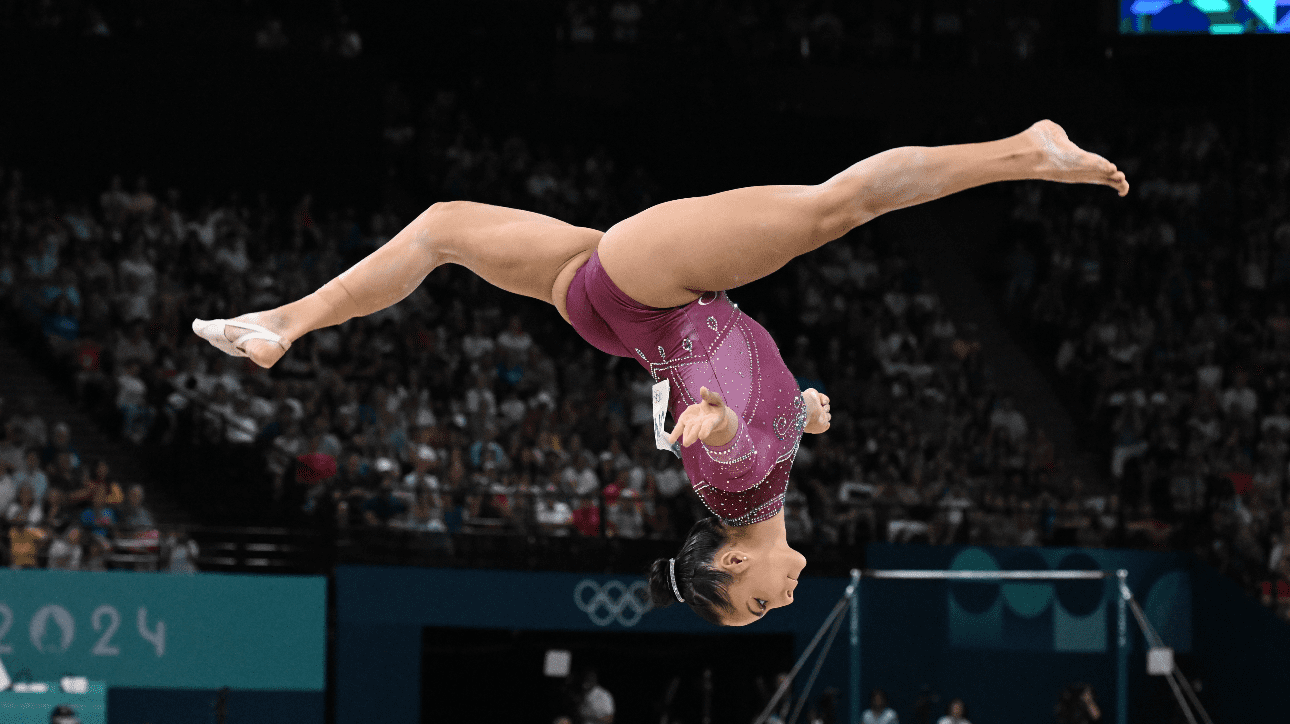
{"x":662,"y":391}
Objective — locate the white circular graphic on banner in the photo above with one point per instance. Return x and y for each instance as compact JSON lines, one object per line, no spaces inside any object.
{"x":614,"y":601}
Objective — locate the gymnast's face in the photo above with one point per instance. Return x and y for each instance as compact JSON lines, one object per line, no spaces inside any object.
{"x":764,"y":577}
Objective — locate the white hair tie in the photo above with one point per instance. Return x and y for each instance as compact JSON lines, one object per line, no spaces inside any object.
{"x":671,"y":576}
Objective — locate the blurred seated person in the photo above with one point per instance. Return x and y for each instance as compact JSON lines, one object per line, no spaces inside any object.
{"x":13,"y":444}
{"x":25,"y":532}
{"x":955,"y":713}
{"x":626,"y":517}
{"x":355,"y":473}
{"x":586,"y":517}
{"x":60,"y":444}
{"x":65,"y":551}
{"x":133,"y":514}
{"x":426,"y":516}
{"x":8,"y":487}
{"x":179,"y":552}
{"x":30,"y":473}
{"x":24,"y":543}
{"x":878,"y":711}
{"x":97,"y":557}
{"x":424,"y":463}
{"x":57,"y":515}
{"x":24,"y":510}
{"x":480,"y":512}
{"x":385,"y":505}
{"x":64,"y":474}
{"x":92,"y":483}
{"x":61,"y":328}
{"x":99,"y":518}
{"x":553,"y":515}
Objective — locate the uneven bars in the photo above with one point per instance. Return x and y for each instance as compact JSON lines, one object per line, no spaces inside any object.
{"x":990,"y":575}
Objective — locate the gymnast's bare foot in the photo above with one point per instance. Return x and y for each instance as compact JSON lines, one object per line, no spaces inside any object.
{"x":1061,"y":160}
{"x":231,"y":337}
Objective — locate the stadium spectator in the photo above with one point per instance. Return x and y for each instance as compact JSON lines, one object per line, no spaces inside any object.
{"x":66,"y":551}
{"x":8,"y":487}
{"x":13,"y":448}
{"x":134,"y":515}
{"x":30,"y":473}
{"x":625,"y":517}
{"x":25,"y":510}
{"x":59,"y":448}
{"x":100,"y":519}
{"x":879,"y":712}
{"x":94,"y":481}
{"x":384,"y":505}
{"x":179,"y":552}
{"x":596,"y":705}
{"x":955,"y":713}
{"x":586,"y":517}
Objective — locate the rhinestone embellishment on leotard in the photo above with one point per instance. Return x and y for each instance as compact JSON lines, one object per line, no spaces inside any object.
{"x":781,"y":425}
{"x":688,"y":345}
{"x":642,"y":354}
{"x":662,"y":352}
{"x":712,"y":323}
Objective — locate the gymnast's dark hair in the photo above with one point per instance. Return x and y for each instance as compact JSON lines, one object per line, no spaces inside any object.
{"x":702,"y":586}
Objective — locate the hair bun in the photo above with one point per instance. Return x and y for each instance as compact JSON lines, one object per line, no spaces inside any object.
{"x":660,"y":588}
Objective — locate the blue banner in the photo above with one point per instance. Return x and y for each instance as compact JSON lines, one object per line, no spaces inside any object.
{"x":371,"y":595}
{"x":154,"y":630}
{"x":1044,"y":616}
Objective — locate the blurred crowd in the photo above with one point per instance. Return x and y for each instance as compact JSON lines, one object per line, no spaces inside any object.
{"x":59,"y":511}
{"x":881,"y":33}
{"x":1166,"y":318}
{"x":322,"y":28}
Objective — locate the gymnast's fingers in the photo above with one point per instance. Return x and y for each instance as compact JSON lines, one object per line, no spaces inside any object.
{"x":710,"y":397}
{"x":706,"y":428}
{"x":677,"y":430}
{"x":691,"y":432}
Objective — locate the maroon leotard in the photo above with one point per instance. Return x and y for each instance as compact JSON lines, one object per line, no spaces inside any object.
{"x":707,"y":342}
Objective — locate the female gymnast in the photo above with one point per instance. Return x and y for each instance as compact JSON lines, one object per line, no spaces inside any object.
{"x":652,"y":288}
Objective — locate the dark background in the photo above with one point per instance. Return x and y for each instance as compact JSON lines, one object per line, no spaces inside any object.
{"x":489,"y":675}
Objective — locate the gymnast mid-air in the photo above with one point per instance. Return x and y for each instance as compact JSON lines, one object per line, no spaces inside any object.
{"x":653,"y":287}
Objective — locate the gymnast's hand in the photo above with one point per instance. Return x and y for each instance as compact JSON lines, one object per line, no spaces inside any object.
{"x":710,"y":421}
{"x":817,"y":411}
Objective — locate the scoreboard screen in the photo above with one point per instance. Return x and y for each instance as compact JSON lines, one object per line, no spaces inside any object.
{"x":1209,"y":17}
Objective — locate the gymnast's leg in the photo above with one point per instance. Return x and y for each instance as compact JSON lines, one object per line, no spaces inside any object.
{"x":519,"y":251}
{"x":665,"y":255}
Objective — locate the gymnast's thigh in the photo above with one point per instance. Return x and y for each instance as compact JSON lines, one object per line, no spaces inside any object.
{"x":668,"y":254}
{"x":519,"y":251}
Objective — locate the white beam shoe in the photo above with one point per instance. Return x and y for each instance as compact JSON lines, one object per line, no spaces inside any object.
{"x":213,"y":331}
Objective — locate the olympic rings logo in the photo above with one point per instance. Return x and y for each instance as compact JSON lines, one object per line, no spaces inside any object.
{"x":614,"y":601}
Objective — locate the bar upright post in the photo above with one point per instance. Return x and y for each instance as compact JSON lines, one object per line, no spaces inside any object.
{"x":1121,"y":649}
{"x":854,"y":592}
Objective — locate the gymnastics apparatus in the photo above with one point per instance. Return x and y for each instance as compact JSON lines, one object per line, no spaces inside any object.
{"x":1160,"y":657}
{"x":653,"y":287}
